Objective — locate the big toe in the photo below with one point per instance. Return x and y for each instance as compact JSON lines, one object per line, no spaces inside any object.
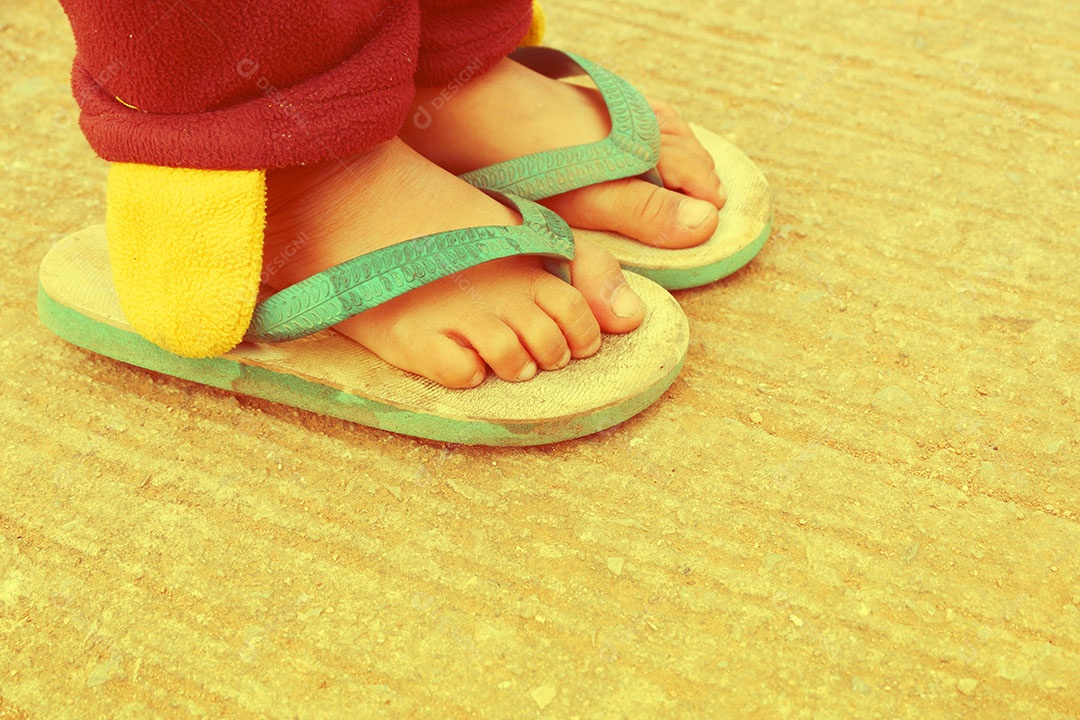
{"x":640,"y":210}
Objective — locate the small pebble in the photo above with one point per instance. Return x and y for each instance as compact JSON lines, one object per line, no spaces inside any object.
{"x":543,"y":695}
{"x":104,"y":672}
{"x":967,"y":685}
{"x":1053,"y":447}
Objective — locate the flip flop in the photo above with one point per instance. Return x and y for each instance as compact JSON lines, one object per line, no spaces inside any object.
{"x":632,"y":149}
{"x":290,"y":356}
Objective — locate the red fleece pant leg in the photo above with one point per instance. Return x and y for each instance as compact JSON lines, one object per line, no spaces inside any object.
{"x":242,"y":84}
{"x":462,"y":38}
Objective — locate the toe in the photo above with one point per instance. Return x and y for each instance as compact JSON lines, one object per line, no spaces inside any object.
{"x":448,"y":363}
{"x":614,"y":304}
{"x":500,"y":347}
{"x":682,"y":170}
{"x":570,"y":311}
{"x":668,"y":119}
{"x":438,"y":356}
{"x":690,"y":145}
{"x":542,"y":337}
{"x":640,"y":210}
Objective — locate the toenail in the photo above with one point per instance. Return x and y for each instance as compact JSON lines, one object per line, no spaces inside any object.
{"x":528,"y":373}
{"x":564,"y":360}
{"x":594,"y":347}
{"x":693,"y":213}
{"x":477,"y":378}
{"x":626,"y":303}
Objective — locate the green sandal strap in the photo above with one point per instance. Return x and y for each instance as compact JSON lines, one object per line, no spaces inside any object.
{"x":347,"y":289}
{"x":632,"y":148}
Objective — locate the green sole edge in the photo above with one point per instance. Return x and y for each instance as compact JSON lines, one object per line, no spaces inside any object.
{"x":683,"y":278}
{"x":231,"y":375}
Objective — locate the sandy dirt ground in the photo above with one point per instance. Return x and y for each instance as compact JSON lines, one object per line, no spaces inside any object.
{"x":860,"y":499}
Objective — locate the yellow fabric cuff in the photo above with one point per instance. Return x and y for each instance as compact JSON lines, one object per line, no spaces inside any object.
{"x":536,"y":30}
{"x":185,"y":248}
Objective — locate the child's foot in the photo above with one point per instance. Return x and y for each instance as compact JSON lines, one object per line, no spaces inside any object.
{"x":509,"y":315}
{"x":512,"y":111}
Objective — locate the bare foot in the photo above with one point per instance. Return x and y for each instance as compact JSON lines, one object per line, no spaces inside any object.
{"x":509,"y":315}
{"x":512,"y":111}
